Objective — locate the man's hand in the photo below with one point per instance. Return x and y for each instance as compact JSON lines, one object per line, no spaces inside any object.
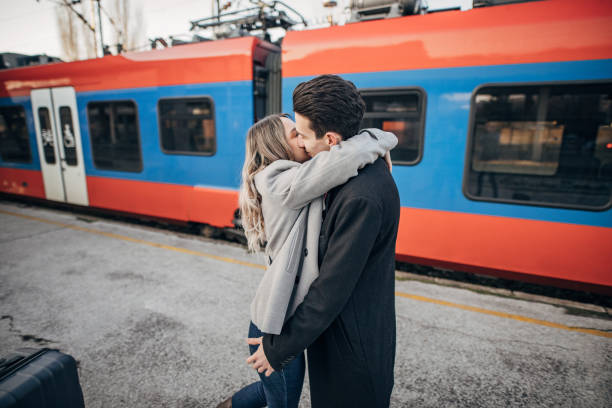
{"x":258,"y":359}
{"x":388,"y":161}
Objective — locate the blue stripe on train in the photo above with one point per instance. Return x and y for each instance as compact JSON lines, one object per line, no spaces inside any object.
{"x":233,"y":108}
{"x":436,"y":182}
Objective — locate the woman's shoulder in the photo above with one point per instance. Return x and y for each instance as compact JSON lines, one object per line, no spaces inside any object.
{"x":280,"y":165}
{"x":272,"y":171}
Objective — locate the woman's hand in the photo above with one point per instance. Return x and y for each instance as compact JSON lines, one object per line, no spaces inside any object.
{"x":388,"y":161}
{"x":258,"y":360}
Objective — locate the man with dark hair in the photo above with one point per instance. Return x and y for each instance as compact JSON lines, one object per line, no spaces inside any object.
{"x":325,"y":104}
{"x":347,"y":320}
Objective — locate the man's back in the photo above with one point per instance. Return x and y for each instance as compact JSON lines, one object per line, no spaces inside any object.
{"x":351,"y":363}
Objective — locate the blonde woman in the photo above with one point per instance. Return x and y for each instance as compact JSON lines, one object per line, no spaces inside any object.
{"x":281,"y":201}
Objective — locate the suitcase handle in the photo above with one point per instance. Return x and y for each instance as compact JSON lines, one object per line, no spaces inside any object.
{"x":5,"y":362}
{"x":10,"y":364}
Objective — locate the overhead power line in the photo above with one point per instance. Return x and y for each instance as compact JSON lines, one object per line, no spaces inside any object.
{"x":107,"y":14}
{"x":69,"y":4}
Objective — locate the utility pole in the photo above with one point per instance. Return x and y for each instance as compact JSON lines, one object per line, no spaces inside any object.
{"x":92,"y":8}
{"x":100,"y":25}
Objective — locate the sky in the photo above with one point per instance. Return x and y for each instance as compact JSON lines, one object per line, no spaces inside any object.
{"x":29,"y":26}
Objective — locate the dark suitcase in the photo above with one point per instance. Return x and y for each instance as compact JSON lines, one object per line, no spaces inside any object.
{"x":39,"y":378}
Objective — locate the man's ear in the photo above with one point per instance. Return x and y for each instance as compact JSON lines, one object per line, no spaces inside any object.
{"x":332,"y":138}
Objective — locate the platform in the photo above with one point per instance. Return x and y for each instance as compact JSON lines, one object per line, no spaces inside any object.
{"x":159,"y":319}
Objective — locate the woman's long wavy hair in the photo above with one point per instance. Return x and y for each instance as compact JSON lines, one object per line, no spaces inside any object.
{"x":265,"y":143}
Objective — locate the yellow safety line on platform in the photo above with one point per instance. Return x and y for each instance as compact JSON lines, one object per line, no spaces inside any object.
{"x":259,"y":266}
{"x":138,"y":241}
{"x":505,"y":315}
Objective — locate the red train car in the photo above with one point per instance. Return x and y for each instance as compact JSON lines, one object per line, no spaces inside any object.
{"x":503,"y":115}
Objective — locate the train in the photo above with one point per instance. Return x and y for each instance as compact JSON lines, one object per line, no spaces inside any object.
{"x":503,"y":116}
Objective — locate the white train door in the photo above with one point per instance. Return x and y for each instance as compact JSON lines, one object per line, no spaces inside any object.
{"x":46,"y":139}
{"x":69,"y":132}
{"x":58,"y":138}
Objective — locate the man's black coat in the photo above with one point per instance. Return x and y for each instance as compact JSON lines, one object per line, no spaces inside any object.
{"x":347,"y":320}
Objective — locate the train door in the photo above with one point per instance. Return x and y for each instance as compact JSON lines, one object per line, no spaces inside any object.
{"x":58,"y":138}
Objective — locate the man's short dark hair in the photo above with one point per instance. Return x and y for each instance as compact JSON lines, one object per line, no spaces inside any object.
{"x":332,"y":104}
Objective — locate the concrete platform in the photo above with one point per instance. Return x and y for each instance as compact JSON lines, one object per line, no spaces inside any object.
{"x":158,"y":319}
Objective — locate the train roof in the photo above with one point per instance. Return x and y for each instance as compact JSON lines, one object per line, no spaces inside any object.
{"x":543,"y":31}
{"x":213,"y":61}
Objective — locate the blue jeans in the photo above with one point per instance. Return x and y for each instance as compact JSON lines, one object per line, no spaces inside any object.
{"x":282,"y":389}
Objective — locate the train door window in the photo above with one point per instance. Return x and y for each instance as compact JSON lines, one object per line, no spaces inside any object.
{"x":402,"y":112}
{"x":46,"y":135}
{"x":187,"y":126}
{"x":14,"y":137}
{"x":68,"y":138}
{"x":541,"y":144}
{"x":115,"y":139}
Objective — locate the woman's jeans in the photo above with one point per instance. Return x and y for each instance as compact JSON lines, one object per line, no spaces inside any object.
{"x":282,"y":389}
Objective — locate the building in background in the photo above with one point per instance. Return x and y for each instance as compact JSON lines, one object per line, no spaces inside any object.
{"x":12,"y":60}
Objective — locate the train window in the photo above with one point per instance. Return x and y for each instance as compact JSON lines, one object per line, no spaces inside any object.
{"x":115,"y":140}
{"x":542,"y":144}
{"x":14,"y":137}
{"x":68,"y":135}
{"x":187,"y":126}
{"x":46,"y":135}
{"x":401,"y":111}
